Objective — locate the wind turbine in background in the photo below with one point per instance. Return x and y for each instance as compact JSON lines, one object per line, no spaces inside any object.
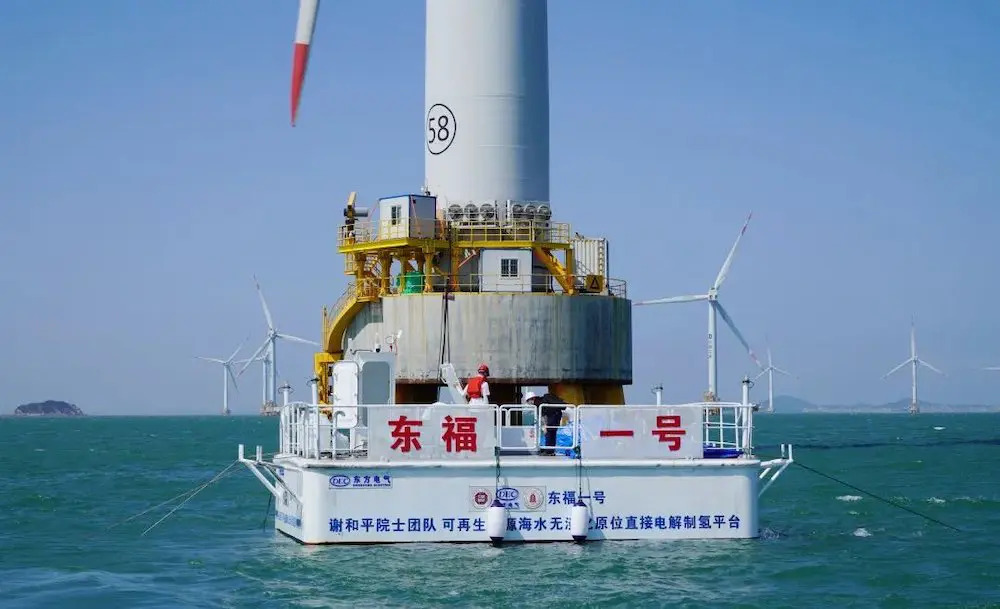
{"x":714,"y":307}
{"x":770,"y":370}
{"x":267,"y":349}
{"x":913,"y":361}
{"x":227,"y":374}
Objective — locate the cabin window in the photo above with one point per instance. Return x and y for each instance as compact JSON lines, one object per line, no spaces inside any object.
{"x":395,"y":212}
{"x":508,"y":268}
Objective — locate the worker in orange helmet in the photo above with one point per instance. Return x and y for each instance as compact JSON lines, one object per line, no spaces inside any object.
{"x":478,"y":389}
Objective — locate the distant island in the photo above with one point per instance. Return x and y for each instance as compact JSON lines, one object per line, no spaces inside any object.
{"x":48,"y":408}
{"x":791,"y":404}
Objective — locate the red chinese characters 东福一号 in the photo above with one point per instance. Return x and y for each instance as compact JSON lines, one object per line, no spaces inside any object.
{"x":459,"y":434}
{"x":407,"y":438}
{"x":669,"y":430}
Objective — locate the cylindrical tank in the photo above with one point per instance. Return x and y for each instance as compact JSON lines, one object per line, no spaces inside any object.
{"x":527,"y":339}
{"x":487,"y":101}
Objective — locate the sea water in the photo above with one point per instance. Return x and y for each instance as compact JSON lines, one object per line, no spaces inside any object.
{"x":67,"y":485}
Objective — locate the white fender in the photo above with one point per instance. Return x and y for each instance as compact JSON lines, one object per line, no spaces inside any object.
{"x":496,"y":522}
{"x":579,"y":521}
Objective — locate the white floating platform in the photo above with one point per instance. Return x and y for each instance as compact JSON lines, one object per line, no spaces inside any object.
{"x":384,"y":473}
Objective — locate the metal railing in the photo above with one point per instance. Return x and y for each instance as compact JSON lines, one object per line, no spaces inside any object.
{"x":373,"y":231}
{"x":728,"y":428}
{"x":338,"y":432}
{"x":370,"y":287}
{"x":496,"y":282}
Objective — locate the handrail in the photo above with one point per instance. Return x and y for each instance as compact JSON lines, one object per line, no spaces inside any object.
{"x":373,"y":231}
{"x":332,"y":432}
{"x":538,"y":283}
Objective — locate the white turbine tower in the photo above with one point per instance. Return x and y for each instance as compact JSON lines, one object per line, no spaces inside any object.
{"x":714,"y":307}
{"x":913,"y":360}
{"x":227,"y":373}
{"x":267,"y":349}
{"x":770,"y":370}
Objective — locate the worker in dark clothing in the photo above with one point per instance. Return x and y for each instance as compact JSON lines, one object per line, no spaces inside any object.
{"x":551,"y":415}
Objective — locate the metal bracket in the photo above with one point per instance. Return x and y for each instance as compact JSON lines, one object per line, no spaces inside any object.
{"x":777,"y":466}
{"x":254,"y":466}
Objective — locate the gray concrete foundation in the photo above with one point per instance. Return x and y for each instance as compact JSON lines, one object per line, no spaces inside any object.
{"x":527,"y":339}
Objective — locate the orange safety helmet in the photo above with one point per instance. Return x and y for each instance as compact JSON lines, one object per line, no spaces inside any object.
{"x":484,"y":369}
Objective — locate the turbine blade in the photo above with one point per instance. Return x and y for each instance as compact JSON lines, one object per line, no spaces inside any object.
{"x":253,"y":357}
{"x":991,"y":368}
{"x":671,"y":299}
{"x":729,"y":259}
{"x":780,"y":371}
{"x":296,"y":339}
{"x":732,"y":326}
{"x":760,"y":374}
{"x":243,"y":361}
{"x":923,"y":363}
{"x":240,"y":346}
{"x":232,"y":378}
{"x":263,"y":303}
{"x":210,"y":359}
{"x":899,"y":367}
{"x":304,"y":28}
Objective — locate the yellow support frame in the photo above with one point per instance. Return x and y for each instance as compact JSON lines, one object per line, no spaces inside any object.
{"x":371,"y":258}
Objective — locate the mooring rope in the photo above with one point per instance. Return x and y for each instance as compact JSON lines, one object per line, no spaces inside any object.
{"x":189,"y":498}
{"x":172,"y":499}
{"x":187,"y":495}
{"x":873,"y":495}
{"x":267,"y":511}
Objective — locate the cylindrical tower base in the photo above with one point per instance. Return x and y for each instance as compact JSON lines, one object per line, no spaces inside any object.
{"x":529,"y":339}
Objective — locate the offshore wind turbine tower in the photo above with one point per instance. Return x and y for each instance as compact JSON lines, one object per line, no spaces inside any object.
{"x":477,"y":267}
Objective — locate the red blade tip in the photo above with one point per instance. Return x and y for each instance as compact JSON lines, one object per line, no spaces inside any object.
{"x":300,"y":61}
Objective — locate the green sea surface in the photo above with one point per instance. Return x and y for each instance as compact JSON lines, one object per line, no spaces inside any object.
{"x":67,"y":485}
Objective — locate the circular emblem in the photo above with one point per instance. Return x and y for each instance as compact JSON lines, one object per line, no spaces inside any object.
{"x":507,"y":494}
{"x":481,"y":498}
{"x":533,"y":498}
{"x":441,"y":127}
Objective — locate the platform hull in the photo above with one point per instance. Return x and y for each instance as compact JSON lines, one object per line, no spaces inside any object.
{"x":398,"y":503}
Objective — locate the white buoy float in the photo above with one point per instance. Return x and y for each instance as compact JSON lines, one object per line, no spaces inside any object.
{"x":579,"y":521}
{"x":496,"y":522}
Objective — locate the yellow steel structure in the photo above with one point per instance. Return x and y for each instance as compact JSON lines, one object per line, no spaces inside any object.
{"x":371,"y":248}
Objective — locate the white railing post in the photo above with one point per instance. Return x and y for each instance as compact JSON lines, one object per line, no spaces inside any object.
{"x":283,"y":422}
{"x":314,"y":389}
{"x":315,"y":410}
{"x":745,"y":419}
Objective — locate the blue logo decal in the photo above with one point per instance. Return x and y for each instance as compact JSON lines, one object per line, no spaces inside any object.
{"x":340,"y":481}
{"x":507,"y":494}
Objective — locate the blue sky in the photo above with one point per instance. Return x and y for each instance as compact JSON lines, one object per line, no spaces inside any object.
{"x":149,"y":171}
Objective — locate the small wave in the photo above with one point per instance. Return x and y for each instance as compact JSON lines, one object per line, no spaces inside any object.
{"x":767,"y":533}
{"x":849,"y":498}
{"x":861,"y":532}
{"x":935,"y":500}
{"x":976,"y":500}
{"x":938,"y":428}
